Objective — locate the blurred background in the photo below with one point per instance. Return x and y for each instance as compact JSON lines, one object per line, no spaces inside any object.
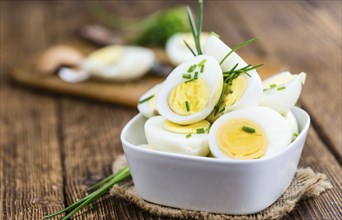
{"x":295,"y":35}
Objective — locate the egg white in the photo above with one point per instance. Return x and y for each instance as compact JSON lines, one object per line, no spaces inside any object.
{"x":176,"y":49}
{"x":274,"y":124}
{"x":146,"y":108}
{"x":286,"y":92}
{"x":212,"y":75}
{"x":253,"y":92}
{"x":161,"y":139}
{"x":292,"y":122}
{"x":119,"y":63}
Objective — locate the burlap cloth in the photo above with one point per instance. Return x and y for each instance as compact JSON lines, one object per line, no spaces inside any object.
{"x":305,"y":184}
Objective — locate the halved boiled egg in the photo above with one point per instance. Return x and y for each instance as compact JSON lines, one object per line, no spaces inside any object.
{"x":245,"y":90}
{"x":282,"y":91}
{"x":147,"y":102}
{"x":249,"y":133}
{"x":292,"y":122}
{"x":176,"y":49}
{"x":191,"y":91}
{"x":119,"y":62}
{"x":164,"y":135}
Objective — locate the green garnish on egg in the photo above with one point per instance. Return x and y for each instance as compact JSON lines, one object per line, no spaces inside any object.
{"x":248,"y":129}
{"x":146,"y":99}
{"x":200,"y":131}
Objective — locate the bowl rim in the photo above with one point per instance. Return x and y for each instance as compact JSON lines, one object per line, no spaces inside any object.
{"x":291,"y":146}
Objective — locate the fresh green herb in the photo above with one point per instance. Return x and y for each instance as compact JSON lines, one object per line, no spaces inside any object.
{"x":200,"y":131}
{"x":187,"y":106}
{"x":222,"y":110}
{"x":190,"y":80}
{"x":273,"y":86}
{"x":192,"y":68}
{"x":281,"y":88}
{"x":196,"y":30}
{"x":236,"y":48}
{"x":188,"y":135}
{"x":217,"y":106}
{"x":215,"y":34}
{"x":154,"y":29}
{"x":202,"y":68}
{"x":231,"y":91}
{"x":186,"y":76}
{"x":295,"y":134}
{"x":188,"y":46}
{"x":119,"y":177}
{"x":146,"y":99}
{"x":232,"y":74}
{"x":196,"y":75}
{"x":202,"y":62}
{"x":248,"y":129}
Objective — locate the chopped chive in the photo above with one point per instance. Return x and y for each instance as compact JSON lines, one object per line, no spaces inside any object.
{"x":236,"y":48}
{"x":200,"y":131}
{"x":146,"y":99}
{"x":202,"y":62}
{"x":186,"y":76}
{"x":215,"y":34}
{"x":191,"y":68}
{"x":188,"y":46}
{"x":196,"y":75}
{"x":190,"y":80}
{"x":224,"y":108}
{"x":295,"y":134}
{"x":188,"y":135}
{"x":281,"y":88}
{"x":248,"y":129}
{"x":187,"y":106}
{"x":273,"y":86}
{"x":202,"y":68}
{"x":231,"y":91}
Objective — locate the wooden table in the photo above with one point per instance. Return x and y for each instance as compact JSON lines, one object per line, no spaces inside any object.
{"x":53,"y":147}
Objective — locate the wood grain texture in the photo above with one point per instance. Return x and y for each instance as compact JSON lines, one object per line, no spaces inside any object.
{"x":31,"y":177}
{"x":53,"y":147}
{"x":308,"y":38}
{"x":329,"y":204}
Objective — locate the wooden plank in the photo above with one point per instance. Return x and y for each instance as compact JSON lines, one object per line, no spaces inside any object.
{"x":31,"y":181}
{"x":329,"y":205}
{"x":307,"y":39}
{"x":91,"y":139}
{"x":91,"y":143}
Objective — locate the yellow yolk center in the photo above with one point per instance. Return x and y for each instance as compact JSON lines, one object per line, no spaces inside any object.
{"x":186,"y":129}
{"x":107,"y":55}
{"x":235,"y":91}
{"x":237,"y":143}
{"x":189,"y":97}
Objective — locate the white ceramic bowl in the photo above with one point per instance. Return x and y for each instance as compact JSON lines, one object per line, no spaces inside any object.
{"x":211,"y":184}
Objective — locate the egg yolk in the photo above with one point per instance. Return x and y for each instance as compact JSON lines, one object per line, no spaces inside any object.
{"x":235,"y":91}
{"x":186,"y":129}
{"x":189,"y":97}
{"x":107,"y":55}
{"x":238,"y":143}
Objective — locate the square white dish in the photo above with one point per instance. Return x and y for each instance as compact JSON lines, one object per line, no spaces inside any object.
{"x":211,"y":184}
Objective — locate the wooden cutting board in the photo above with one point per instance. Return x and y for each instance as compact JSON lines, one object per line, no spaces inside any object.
{"x":127,"y":93}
